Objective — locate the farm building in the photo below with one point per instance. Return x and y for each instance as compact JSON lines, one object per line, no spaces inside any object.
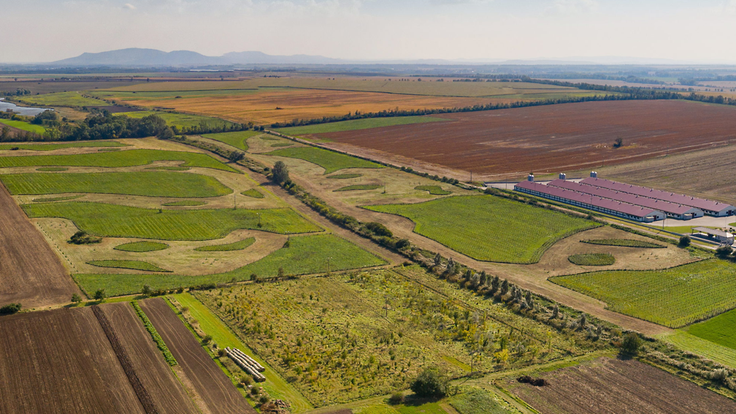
{"x":676,"y":211}
{"x":718,"y":235}
{"x":709,"y":207}
{"x":591,"y":202}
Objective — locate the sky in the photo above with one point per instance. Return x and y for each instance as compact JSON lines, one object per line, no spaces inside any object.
{"x":698,"y":31}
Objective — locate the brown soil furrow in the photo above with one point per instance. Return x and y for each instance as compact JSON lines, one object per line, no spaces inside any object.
{"x":30,"y":272}
{"x":218,"y":394}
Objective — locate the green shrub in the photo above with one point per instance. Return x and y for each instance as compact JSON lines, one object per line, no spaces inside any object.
{"x":430,"y":383}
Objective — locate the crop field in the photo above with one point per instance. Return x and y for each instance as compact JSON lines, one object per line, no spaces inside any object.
{"x":62,"y":99}
{"x":489,"y":228}
{"x":562,"y":137}
{"x":239,"y":245}
{"x":671,"y":297}
{"x":177,"y":119}
{"x":329,"y":160}
{"x":23,"y":126}
{"x":625,"y":243}
{"x":357,"y":124}
{"x":720,"y":329}
{"x":367,"y":333}
{"x":140,"y":247}
{"x":119,"y":159}
{"x":237,"y":139}
{"x":30,"y":271}
{"x":52,"y":147}
{"x":142,"y":183}
{"x":110,"y":220}
{"x":215,"y":393}
{"x":592,"y":259}
{"x":128,"y":264}
{"x":305,"y":255}
{"x":47,"y":365}
{"x":618,"y":386}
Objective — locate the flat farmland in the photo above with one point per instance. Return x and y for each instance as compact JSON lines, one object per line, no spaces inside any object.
{"x":551,"y":138}
{"x":155,"y":375}
{"x":61,"y":362}
{"x":30,"y":272}
{"x":214,"y":389}
{"x":618,"y":386}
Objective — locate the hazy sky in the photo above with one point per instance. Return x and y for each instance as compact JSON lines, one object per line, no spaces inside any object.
{"x":694,"y":30}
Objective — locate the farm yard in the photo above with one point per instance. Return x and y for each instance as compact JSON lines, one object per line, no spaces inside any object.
{"x":671,"y":297}
{"x":618,"y":386}
{"x":489,"y":228}
{"x":503,"y":143}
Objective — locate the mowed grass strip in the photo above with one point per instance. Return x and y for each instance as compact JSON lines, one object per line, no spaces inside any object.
{"x":625,"y":243}
{"x":239,"y":245}
{"x":52,"y":199}
{"x":344,"y":176}
{"x":128,"y":264}
{"x":111,"y":220}
{"x":130,"y":158}
{"x":309,"y":254}
{"x":592,"y":259}
{"x":357,"y":124}
{"x":236,"y":139}
{"x":671,"y":297}
{"x":141,"y":247}
{"x":253,"y":193}
{"x":358,"y":187}
{"x":329,"y":160}
{"x":23,"y":126}
{"x":433,"y":189}
{"x":489,"y":228}
{"x":52,"y":147}
{"x":141,"y":183}
{"x":185,"y":203}
{"x":720,"y":329}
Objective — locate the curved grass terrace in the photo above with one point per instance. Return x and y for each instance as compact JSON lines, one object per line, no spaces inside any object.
{"x":238,"y":139}
{"x":128,"y":264}
{"x":329,"y":160}
{"x":141,"y":247}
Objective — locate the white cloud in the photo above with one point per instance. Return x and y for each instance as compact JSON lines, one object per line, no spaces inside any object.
{"x":129,"y":6}
{"x":573,"y":6}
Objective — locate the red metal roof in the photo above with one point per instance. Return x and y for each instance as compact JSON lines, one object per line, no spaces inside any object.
{"x":660,"y":205}
{"x":700,"y":203}
{"x":630,"y":209}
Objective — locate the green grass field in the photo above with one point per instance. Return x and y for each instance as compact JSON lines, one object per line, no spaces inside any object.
{"x":74,"y":99}
{"x":433,"y":189}
{"x":23,"y":126}
{"x":119,"y":159}
{"x":672,"y":297}
{"x":276,"y":386}
{"x":141,"y":183}
{"x":359,"y":187}
{"x":176,"y":119}
{"x":489,"y":228}
{"x":128,"y":264}
{"x":306,"y":255}
{"x":592,"y":259}
{"x":329,"y":160}
{"x":169,"y":168}
{"x":185,"y":203}
{"x":141,"y":247}
{"x":282,"y":144}
{"x":52,"y":147}
{"x":344,"y":176}
{"x":110,"y":220}
{"x":720,"y":329}
{"x":625,"y":243}
{"x":237,"y":139}
{"x":239,"y":245}
{"x":691,"y":343}
{"x":479,"y":401}
{"x":357,"y":124}
{"x":253,"y":193}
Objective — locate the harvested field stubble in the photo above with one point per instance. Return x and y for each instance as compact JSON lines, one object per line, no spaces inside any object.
{"x":552,"y":138}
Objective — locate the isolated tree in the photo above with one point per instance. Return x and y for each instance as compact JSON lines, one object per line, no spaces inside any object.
{"x":684,"y":241}
{"x":430,"y":383}
{"x":146,"y":290}
{"x":236,"y":156}
{"x":76,"y":298}
{"x":631,"y":344}
{"x":10,"y":309}
{"x":280,"y":173}
{"x":618,"y":142}
{"x":100,"y":295}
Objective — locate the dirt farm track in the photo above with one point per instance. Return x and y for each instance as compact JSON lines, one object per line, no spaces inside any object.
{"x":554,"y":138}
{"x":30,"y":272}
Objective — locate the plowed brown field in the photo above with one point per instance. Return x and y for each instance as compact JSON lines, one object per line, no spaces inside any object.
{"x":154,"y":373}
{"x":217,"y":393}
{"x":553,"y":138}
{"x":60,"y":362}
{"x":617,"y":387}
{"x":30,"y":272}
